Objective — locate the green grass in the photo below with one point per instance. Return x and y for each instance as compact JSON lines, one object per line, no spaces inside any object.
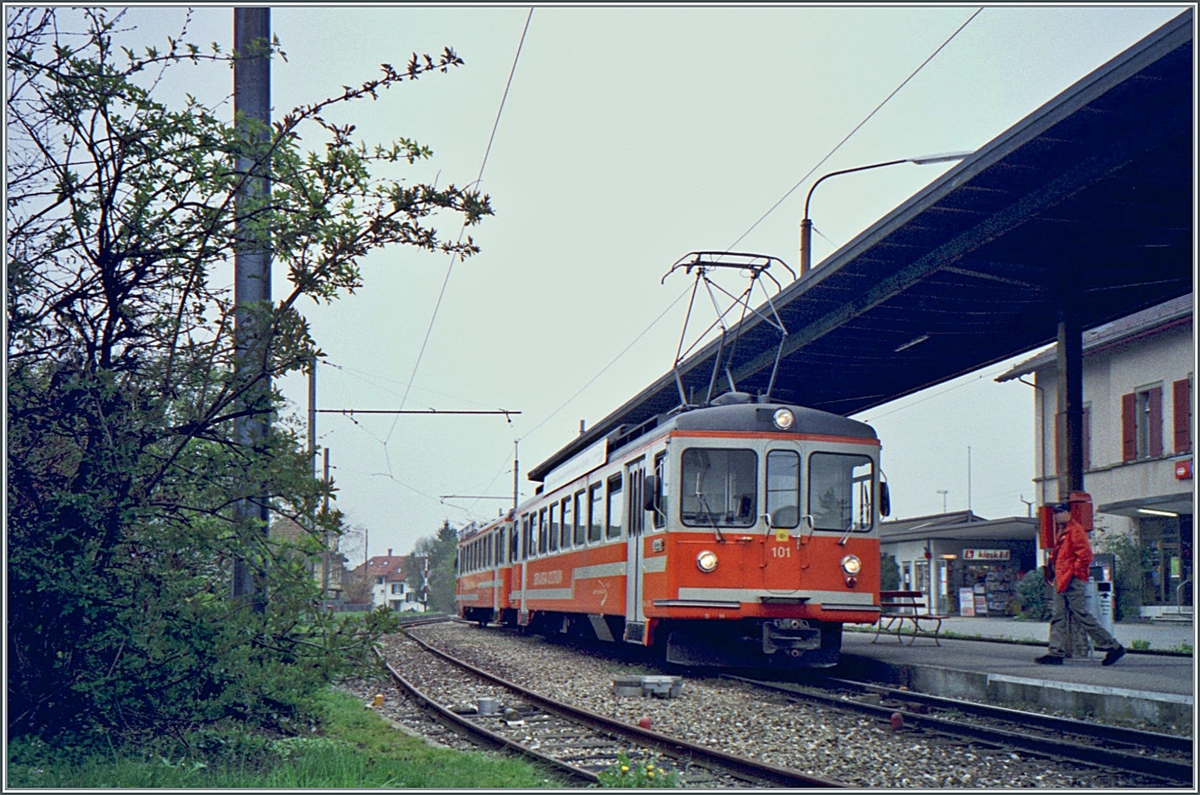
{"x":356,"y":749}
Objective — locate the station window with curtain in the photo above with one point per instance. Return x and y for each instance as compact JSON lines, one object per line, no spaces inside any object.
{"x":1142,"y":423}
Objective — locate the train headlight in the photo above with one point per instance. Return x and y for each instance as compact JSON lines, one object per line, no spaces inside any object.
{"x":706,"y":561}
{"x":783,"y":419}
{"x":851,"y":565}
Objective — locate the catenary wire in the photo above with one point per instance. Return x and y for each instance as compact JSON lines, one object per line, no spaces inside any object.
{"x":462,"y":231}
{"x":857,"y":127}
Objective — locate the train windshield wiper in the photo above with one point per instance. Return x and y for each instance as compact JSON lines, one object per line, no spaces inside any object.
{"x":708,"y":514}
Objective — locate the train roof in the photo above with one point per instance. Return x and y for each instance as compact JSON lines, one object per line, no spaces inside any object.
{"x":732,"y":412}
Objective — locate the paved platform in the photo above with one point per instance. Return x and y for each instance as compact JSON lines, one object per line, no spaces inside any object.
{"x":993,"y":660}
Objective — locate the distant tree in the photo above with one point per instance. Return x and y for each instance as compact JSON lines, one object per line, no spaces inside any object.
{"x":889,"y":572}
{"x":1133,"y":567}
{"x":123,"y":464}
{"x":441,"y":550}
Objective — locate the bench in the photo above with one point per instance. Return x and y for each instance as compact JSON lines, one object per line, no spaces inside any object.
{"x":896,"y":607}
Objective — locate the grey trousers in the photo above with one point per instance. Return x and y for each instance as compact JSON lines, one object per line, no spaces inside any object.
{"x":1073,"y":602}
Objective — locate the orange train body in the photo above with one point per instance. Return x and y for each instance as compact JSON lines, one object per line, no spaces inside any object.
{"x":740,"y":534}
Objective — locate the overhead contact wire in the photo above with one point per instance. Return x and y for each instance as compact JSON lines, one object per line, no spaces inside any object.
{"x":859,"y":126}
{"x":450,"y":268}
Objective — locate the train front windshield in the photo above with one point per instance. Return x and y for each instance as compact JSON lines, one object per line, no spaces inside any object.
{"x":839,"y":492}
{"x":720,"y":489}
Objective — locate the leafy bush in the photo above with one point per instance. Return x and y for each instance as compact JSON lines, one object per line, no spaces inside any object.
{"x":144,"y":454}
{"x":1133,"y":566}
{"x":1035,"y":595}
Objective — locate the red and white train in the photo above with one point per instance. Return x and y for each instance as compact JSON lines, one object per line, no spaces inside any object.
{"x":738,"y":534}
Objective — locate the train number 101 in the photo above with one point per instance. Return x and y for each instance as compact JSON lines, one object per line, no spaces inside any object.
{"x":781,"y":552}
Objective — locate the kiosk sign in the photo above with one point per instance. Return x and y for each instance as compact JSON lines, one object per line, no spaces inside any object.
{"x":986,"y":554}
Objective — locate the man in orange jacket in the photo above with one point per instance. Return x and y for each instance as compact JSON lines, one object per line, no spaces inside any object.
{"x":1072,"y":558}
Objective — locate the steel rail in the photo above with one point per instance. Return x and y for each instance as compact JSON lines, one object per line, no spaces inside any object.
{"x":1039,"y":744}
{"x":465,"y":726}
{"x":757,"y":771}
{"x":1104,"y":732}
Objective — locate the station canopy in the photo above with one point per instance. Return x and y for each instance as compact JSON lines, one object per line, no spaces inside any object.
{"x":1088,"y":200}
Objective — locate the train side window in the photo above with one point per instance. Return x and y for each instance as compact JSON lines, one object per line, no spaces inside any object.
{"x":840,"y":486}
{"x":513,"y":542}
{"x":567,"y":522}
{"x":616,"y":505}
{"x":543,"y":546}
{"x":489,"y":546}
{"x":580,"y":519}
{"x":526,"y":546}
{"x":555,"y":528}
{"x":783,"y":488}
{"x":661,"y":490}
{"x":595,"y":512}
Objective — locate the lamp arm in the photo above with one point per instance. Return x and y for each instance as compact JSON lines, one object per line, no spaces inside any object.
{"x":846,"y":171}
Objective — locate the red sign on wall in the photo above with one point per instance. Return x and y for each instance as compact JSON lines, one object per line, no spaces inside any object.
{"x":1183,"y":469}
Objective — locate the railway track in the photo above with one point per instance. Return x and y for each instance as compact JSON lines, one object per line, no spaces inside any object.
{"x":833,"y":738}
{"x":575,"y":742}
{"x":1166,"y":757}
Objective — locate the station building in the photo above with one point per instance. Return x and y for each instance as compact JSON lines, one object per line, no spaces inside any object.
{"x":964,"y":564}
{"x":1138,"y":416}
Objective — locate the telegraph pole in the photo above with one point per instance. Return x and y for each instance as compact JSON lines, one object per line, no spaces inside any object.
{"x":252,"y":274}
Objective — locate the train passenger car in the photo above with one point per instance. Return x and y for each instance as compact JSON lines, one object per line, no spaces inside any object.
{"x":742,"y":533}
{"x":483,"y":577}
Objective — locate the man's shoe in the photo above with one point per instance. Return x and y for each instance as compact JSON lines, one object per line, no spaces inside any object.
{"x":1113,"y":655}
{"x":1053,"y":659}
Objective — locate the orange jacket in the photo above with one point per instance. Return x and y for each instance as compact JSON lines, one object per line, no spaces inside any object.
{"x":1072,"y":556}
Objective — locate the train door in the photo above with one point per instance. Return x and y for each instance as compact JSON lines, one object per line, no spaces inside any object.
{"x":785,"y":553}
{"x":525,"y":551}
{"x":635,"y":616}
{"x":498,"y":547}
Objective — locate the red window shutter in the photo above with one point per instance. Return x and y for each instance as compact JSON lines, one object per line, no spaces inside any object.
{"x":1156,"y":421}
{"x":1183,"y":416}
{"x":1128,"y":427}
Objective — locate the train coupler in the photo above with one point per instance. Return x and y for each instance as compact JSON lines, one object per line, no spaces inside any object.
{"x":792,"y":636}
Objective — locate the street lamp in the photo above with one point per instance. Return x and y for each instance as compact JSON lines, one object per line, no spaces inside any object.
{"x":806,"y":224}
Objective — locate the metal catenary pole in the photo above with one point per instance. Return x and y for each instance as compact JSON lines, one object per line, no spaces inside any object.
{"x":252,"y":273}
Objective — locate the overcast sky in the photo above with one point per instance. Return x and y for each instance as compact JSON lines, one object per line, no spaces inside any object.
{"x":631,"y":136}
